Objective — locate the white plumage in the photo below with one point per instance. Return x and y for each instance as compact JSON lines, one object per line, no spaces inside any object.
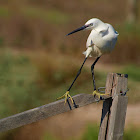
{"x":102,"y":38}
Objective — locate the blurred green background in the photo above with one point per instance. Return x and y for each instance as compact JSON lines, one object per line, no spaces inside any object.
{"x":38,"y":62}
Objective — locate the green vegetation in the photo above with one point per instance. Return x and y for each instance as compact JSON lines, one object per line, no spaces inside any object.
{"x":4,"y":12}
{"x":18,"y":87}
{"x":132,"y":133}
{"x":133,"y":71}
{"x":28,"y":81}
{"x":52,"y":16}
{"x":49,"y":137}
{"x":91,"y":133}
{"x":127,"y":29}
{"x":92,"y":130}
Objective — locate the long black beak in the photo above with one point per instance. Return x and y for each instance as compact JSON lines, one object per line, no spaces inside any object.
{"x":77,"y":30}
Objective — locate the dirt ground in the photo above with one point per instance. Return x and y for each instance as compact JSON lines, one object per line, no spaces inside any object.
{"x":74,"y":123}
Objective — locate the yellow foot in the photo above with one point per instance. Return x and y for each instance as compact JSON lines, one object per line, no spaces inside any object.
{"x":95,"y":93}
{"x":66,"y":95}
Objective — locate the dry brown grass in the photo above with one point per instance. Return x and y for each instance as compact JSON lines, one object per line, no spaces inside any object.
{"x":43,"y":25}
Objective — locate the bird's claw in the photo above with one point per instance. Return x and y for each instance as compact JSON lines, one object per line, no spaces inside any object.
{"x":66,"y":96}
{"x":95,"y":93}
{"x":99,"y":95}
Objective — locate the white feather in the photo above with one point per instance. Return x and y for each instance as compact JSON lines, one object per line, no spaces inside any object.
{"x":102,"y":38}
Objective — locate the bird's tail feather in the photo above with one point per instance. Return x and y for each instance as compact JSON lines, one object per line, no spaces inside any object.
{"x":87,"y":53}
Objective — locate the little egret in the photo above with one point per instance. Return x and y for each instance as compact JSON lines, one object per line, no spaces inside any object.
{"x":101,"y":40}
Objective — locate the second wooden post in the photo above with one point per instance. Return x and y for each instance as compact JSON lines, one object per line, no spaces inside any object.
{"x":114,"y":108}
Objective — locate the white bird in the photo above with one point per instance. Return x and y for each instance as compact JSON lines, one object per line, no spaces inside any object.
{"x":101,"y":40}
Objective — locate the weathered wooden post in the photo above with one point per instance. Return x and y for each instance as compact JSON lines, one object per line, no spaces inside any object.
{"x":114,"y":108}
{"x":113,"y":112}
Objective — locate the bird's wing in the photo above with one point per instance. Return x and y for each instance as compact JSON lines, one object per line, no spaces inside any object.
{"x":104,"y":32}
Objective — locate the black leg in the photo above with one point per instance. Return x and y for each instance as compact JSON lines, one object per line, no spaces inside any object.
{"x":66,"y":95}
{"x":77,"y":75}
{"x":92,"y":71}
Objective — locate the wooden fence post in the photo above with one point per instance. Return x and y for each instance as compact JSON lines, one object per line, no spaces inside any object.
{"x":114,"y":108}
{"x":113,"y":112}
{"x":43,"y":112}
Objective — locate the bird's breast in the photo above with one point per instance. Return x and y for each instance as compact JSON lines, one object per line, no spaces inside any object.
{"x":96,"y":39}
{"x":105,"y":43}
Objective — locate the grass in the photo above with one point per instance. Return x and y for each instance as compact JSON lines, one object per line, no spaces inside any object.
{"x":52,"y":16}
{"x":133,"y":71}
{"x":91,"y":133}
{"x":128,"y":29}
{"x":48,"y":136}
{"x":59,"y":73}
{"x":4,"y":12}
{"x":132,"y":133}
{"x":18,"y":89}
{"x":27,"y":82}
{"x":92,"y":130}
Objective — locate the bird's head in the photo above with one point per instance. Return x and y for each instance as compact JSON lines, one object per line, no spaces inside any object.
{"x":91,"y":24}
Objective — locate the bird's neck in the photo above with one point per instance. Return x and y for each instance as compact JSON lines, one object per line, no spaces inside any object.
{"x":101,"y":28}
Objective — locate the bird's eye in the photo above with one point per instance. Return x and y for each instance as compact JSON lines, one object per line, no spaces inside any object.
{"x":91,"y":24}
